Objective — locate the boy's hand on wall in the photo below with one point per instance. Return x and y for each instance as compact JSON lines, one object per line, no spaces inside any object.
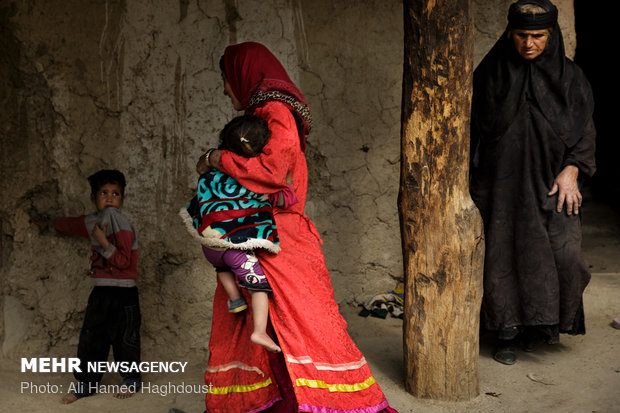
{"x":42,"y":222}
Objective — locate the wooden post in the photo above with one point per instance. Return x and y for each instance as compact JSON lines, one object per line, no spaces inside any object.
{"x":441,"y":228}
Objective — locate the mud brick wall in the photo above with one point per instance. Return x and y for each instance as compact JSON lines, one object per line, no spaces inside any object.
{"x":135,"y":85}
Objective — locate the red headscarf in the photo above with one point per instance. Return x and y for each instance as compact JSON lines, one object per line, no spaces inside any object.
{"x":251,"y":68}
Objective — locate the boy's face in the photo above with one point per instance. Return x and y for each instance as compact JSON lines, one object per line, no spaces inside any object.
{"x":108,"y":195}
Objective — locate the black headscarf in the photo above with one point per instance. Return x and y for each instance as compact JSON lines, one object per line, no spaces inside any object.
{"x":504,"y":80}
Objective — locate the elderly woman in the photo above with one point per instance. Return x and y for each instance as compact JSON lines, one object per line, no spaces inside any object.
{"x":319,"y":369}
{"x":532,"y":145}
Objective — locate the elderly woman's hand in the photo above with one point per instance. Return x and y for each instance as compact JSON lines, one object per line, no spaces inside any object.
{"x":210,"y":159}
{"x":566,"y":184}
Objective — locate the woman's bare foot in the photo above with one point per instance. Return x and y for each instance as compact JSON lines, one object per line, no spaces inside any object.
{"x":262,"y":339}
{"x":69,"y":398}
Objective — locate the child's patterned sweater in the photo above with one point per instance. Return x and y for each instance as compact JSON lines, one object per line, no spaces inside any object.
{"x":224,"y":214}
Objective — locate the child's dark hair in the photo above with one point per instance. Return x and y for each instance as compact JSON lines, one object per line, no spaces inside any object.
{"x":106,"y":176}
{"x":245,"y":135}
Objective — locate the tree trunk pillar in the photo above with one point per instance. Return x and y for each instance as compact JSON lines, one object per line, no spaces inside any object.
{"x":441,"y":228}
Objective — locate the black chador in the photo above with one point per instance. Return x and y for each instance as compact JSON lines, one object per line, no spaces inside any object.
{"x":530,"y":119}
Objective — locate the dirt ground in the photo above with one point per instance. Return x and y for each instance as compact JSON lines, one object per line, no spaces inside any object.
{"x":581,"y":374}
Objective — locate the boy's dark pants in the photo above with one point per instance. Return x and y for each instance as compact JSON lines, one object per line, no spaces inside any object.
{"x":112,"y":319}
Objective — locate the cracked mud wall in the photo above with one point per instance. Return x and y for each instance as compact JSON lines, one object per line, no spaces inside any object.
{"x":135,"y":85}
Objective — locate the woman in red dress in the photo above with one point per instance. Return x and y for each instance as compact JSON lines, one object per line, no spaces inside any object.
{"x":320,"y":369}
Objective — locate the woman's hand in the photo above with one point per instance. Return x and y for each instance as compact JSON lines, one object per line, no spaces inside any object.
{"x":566,"y":184}
{"x":210,"y":159}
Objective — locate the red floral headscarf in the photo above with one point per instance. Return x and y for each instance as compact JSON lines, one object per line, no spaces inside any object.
{"x":256,"y":76}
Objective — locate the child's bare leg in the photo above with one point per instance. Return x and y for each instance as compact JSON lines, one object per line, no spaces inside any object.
{"x":236,"y":303}
{"x":260,"y":313}
{"x":227,"y":279}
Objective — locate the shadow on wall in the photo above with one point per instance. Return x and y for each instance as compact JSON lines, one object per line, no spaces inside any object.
{"x":26,"y":116}
{"x":43,"y":295}
{"x":10,"y":79}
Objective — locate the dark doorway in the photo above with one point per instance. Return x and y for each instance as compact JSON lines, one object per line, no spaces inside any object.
{"x":595,"y":54}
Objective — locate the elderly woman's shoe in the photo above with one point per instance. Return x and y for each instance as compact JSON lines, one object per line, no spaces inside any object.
{"x":532,"y":338}
{"x":505,"y":352}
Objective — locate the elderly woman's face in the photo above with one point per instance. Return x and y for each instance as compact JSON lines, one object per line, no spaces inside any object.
{"x":529,"y":43}
{"x":228,"y":92}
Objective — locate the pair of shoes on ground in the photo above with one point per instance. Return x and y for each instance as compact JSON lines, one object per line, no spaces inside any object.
{"x":532,"y":338}
{"x":506,"y":350}
{"x":236,"y":306}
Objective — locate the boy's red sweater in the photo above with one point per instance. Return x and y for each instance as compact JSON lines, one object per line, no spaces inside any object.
{"x":120,"y":260}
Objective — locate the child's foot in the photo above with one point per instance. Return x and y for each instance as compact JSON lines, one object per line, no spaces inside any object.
{"x":236,"y":306}
{"x":69,"y":398}
{"x":129,"y":387}
{"x":124,"y":394}
{"x":75,"y":396}
{"x":262,"y":339}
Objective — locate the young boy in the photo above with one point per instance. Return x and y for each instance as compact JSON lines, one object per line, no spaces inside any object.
{"x":113,"y":314}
